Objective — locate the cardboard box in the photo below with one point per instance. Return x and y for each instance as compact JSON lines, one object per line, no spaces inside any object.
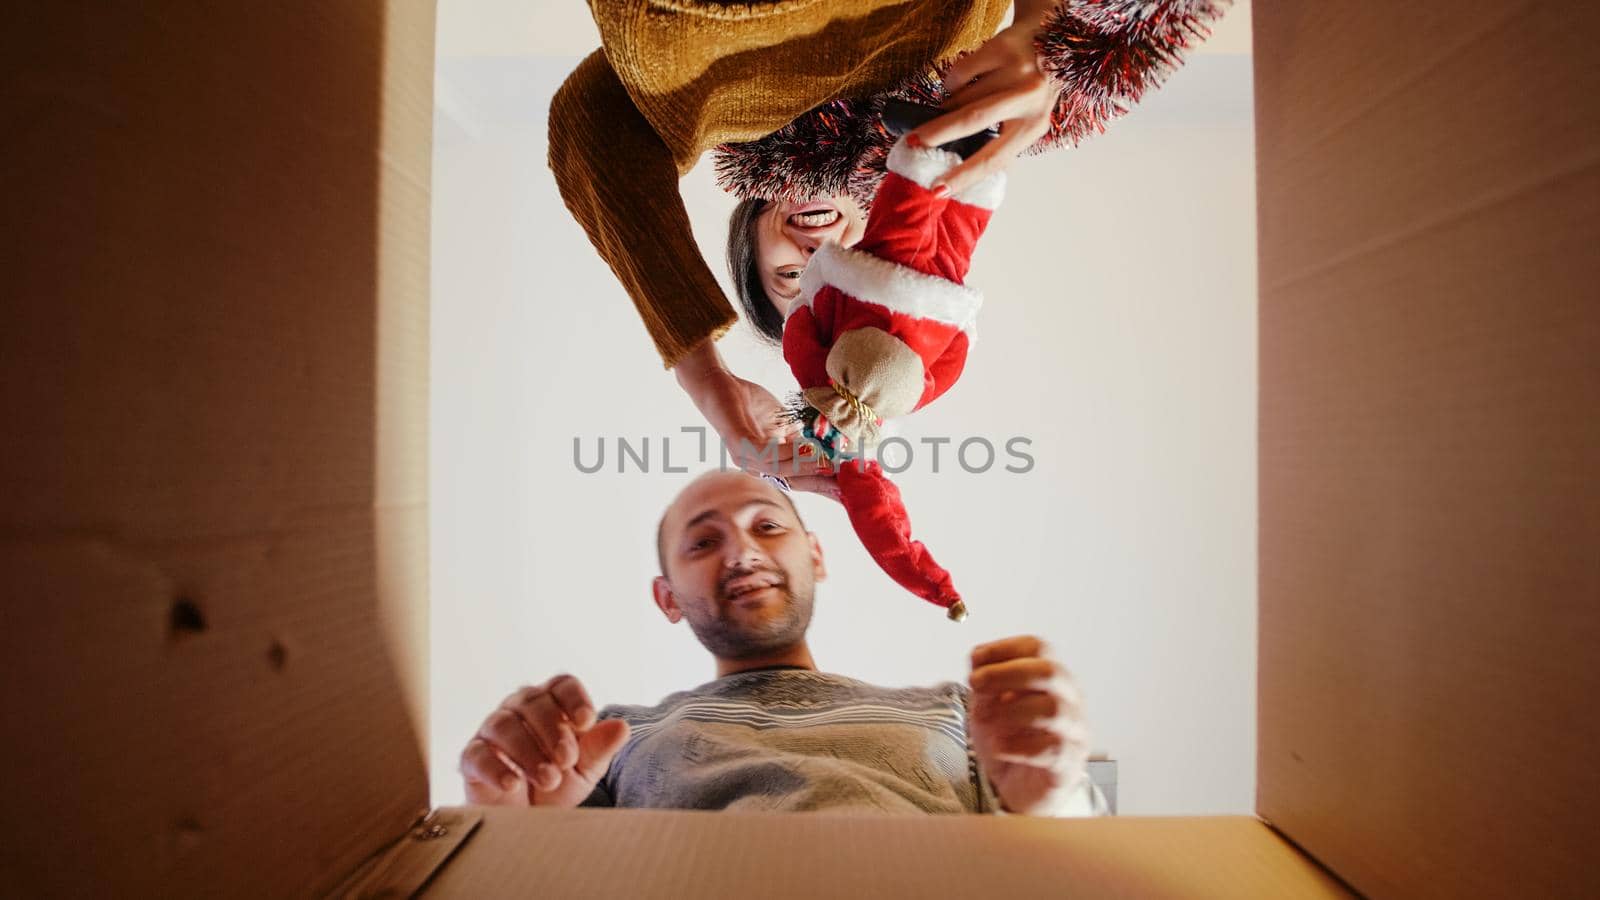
{"x":213,"y":378}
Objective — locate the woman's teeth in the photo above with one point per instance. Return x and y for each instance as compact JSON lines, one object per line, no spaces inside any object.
{"x":815,"y":219}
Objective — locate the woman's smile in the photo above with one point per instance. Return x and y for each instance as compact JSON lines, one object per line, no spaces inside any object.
{"x":789,"y":232}
{"x":814,"y":216}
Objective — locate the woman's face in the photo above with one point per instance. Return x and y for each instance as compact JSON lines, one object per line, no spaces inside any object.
{"x":788,"y":233}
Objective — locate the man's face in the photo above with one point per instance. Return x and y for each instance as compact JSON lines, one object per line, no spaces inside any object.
{"x":739,"y":566}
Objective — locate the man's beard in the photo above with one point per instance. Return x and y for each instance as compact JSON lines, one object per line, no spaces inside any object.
{"x":720,"y":632}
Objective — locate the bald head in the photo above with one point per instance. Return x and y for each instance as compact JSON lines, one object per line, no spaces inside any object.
{"x":703,"y":493}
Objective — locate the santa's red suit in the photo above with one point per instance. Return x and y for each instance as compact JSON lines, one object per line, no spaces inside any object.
{"x":882,"y":329}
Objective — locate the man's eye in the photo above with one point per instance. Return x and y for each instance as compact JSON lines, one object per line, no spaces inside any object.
{"x":770,"y":526}
{"x":702,"y":544}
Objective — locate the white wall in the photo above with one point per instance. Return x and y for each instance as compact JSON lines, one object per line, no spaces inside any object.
{"x":1118,"y":335}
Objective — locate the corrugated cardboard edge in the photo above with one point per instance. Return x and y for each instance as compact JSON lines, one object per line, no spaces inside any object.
{"x":400,"y":491}
{"x":660,"y":854}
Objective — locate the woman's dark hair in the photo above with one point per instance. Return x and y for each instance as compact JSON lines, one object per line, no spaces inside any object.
{"x":744,"y":268}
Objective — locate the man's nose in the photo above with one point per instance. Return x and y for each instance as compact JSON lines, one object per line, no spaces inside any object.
{"x":743,"y":553}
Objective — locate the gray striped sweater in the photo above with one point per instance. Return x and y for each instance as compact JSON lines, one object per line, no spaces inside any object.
{"x":792,"y":739}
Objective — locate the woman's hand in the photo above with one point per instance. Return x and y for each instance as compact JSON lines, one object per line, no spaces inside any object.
{"x":751,"y":423}
{"x":999,"y":82}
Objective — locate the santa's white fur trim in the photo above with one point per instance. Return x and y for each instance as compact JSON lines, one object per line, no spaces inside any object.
{"x":925,"y":165}
{"x":895,"y":287}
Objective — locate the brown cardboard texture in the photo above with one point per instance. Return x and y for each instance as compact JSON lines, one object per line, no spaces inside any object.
{"x":649,"y":853}
{"x":213,"y":383}
{"x":213,"y":543}
{"x":1430,"y":444}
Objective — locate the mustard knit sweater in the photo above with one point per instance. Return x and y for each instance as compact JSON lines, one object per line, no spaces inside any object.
{"x":674,"y":78}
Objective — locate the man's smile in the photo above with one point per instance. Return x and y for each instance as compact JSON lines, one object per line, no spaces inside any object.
{"x":751,"y":587}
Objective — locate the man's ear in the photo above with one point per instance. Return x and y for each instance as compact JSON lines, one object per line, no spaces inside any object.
{"x":819,"y":568}
{"x":661,"y":592}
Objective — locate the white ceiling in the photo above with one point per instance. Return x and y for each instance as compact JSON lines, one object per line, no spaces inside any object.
{"x":515,"y":28}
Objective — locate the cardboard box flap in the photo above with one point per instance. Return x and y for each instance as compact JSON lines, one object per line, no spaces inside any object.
{"x":1429,"y":192}
{"x":212,"y":379}
{"x":646,"y":853}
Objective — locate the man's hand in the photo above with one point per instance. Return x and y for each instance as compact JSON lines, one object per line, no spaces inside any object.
{"x":1027,"y":725}
{"x":541,"y":747}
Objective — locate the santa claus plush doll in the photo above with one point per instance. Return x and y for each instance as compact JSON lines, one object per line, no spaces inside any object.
{"x":882,"y":329}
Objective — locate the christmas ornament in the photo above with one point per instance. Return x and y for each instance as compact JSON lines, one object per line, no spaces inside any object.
{"x":882,"y":329}
{"x":840,"y":147}
{"x":1106,"y":53}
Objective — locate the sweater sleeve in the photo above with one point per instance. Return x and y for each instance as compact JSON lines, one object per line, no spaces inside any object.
{"x":600,"y":797}
{"x":619,"y":180}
